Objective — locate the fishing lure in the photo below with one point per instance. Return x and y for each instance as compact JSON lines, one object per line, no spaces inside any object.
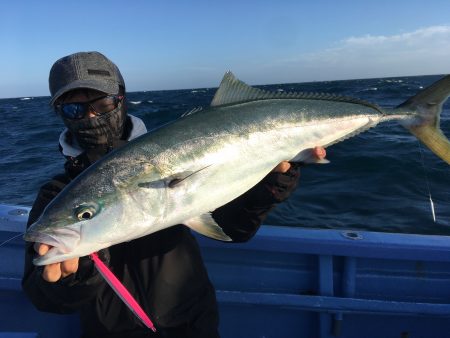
{"x":433,"y":213}
{"x":121,"y":291}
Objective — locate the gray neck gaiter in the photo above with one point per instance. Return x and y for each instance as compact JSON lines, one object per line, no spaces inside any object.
{"x":103,"y":130}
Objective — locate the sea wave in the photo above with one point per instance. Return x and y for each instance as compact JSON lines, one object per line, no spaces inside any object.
{"x":371,"y":180}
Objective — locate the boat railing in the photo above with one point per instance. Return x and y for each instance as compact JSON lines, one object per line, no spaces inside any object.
{"x":286,"y":281}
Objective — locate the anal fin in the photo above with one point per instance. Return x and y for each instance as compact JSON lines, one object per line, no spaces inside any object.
{"x":207,"y":226}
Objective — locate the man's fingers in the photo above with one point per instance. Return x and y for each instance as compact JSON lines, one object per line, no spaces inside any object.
{"x":68,"y":267}
{"x":282,"y":167}
{"x":41,"y":249}
{"x":52,"y":272}
{"x":320,"y":152}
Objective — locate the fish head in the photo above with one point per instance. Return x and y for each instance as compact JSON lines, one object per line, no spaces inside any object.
{"x":77,"y":222}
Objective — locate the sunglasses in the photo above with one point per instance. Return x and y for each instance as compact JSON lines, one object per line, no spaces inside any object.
{"x":79,"y":110}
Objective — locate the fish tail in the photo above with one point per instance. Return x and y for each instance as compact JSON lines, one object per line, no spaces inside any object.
{"x":427,"y":107}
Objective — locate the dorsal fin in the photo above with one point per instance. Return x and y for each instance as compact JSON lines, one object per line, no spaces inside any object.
{"x":232,"y":91}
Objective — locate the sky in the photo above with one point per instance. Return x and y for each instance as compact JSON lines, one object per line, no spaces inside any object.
{"x":161,"y":45}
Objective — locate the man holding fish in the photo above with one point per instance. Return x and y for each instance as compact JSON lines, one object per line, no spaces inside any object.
{"x":164,"y":270}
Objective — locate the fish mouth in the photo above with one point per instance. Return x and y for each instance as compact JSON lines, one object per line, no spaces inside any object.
{"x":62,"y":241}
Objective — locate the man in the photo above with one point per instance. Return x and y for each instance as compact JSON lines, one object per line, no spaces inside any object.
{"x":164,"y":271}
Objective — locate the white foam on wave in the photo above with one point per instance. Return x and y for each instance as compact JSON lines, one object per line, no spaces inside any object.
{"x":135,"y":102}
{"x":26,"y":98}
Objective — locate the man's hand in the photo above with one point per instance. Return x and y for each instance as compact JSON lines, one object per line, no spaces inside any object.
{"x":54,"y":272}
{"x":284,"y":166}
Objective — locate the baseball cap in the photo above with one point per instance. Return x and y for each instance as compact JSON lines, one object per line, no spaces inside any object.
{"x":91,"y":70}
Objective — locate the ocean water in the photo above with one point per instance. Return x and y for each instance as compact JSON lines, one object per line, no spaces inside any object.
{"x":378,"y":181}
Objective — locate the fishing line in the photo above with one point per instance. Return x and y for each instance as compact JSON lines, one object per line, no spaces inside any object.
{"x":12,"y":238}
{"x":428,"y":183}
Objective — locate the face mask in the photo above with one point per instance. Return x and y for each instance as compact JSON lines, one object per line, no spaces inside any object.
{"x":104,"y":130}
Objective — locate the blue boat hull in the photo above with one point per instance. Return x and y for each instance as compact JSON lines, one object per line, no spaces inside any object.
{"x":286,"y":282}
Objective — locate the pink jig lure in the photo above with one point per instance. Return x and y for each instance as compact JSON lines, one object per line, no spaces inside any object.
{"x":121,"y":291}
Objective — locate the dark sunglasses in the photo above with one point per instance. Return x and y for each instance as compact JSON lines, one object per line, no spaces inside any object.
{"x":99,"y":106}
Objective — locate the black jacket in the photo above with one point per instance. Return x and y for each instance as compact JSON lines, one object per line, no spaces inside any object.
{"x":164,"y":271}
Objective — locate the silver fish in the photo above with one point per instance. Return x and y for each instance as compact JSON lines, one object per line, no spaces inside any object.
{"x":181,"y":172}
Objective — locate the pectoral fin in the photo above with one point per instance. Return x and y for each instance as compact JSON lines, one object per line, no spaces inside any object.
{"x":172,"y":181}
{"x":207,"y":226}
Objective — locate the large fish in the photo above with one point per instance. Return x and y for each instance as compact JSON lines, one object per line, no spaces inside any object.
{"x":182,"y":171}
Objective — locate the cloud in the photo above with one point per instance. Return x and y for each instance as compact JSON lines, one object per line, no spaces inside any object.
{"x":420,"y":52}
{"x":411,"y":38}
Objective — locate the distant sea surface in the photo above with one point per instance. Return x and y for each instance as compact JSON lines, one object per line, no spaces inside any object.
{"x":378,"y":181}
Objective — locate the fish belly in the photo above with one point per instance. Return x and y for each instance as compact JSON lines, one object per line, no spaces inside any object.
{"x":236,"y":163}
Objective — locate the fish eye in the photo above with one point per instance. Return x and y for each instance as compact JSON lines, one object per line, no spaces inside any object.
{"x":85,"y":215}
{"x":84,"y":212}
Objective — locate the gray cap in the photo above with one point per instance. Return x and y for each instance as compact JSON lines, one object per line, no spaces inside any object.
{"x":90,"y":70}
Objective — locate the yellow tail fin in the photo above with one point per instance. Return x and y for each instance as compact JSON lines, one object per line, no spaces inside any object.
{"x":434,"y":139}
{"x":428,"y":104}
